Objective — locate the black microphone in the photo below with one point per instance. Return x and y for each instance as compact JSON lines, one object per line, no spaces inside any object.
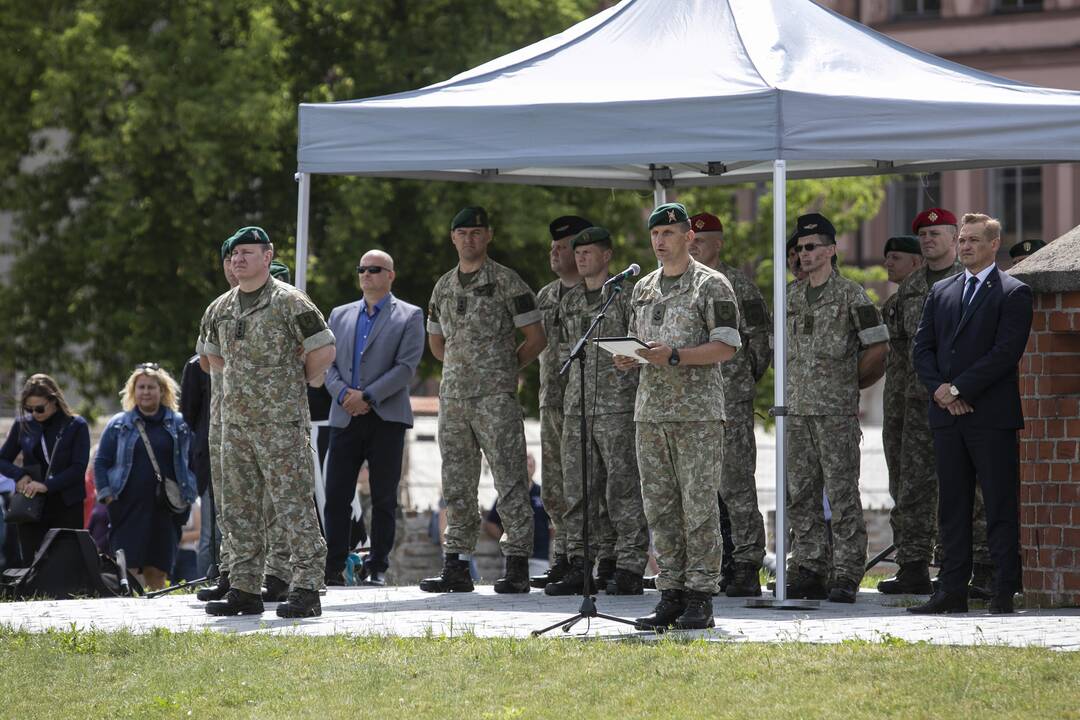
{"x":633,"y":271}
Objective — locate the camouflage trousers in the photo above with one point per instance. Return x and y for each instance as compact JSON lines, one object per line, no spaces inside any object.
{"x":680,"y":466}
{"x":492,"y":424}
{"x":277,"y":547}
{"x":551,"y":473}
{"x":738,"y":485}
{"x":614,"y":485}
{"x":274,"y":461}
{"x":823,"y":453}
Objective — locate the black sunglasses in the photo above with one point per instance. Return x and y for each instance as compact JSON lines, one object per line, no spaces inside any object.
{"x":36,"y":409}
{"x":147,"y":366}
{"x":808,"y":247}
{"x":373,"y":269}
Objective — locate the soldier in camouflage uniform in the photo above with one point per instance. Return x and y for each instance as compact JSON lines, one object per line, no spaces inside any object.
{"x":267,"y":338}
{"x":745,"y":532}
{"x":553,"y":386}
{"x":472,"y":315}
{"x":608,"y":409}
{"x":689,"y":316}
{"x":837,"y":344}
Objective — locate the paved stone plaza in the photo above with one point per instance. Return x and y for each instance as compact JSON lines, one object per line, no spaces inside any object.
{"x":405,"y":611}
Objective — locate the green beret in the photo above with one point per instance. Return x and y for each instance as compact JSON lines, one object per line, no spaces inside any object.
{"x":280,"y":271}
{"x":903,"y":243}
{"x":226,"y":248}
{"x":668,"y":214}
{"x":250,"y":235}
{"x":470,"y":217}
{"x":591,"y":236}
{"x":1023,"y":249}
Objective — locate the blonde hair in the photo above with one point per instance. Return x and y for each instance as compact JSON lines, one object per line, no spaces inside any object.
{"x":169,"y":389}
{"x":991,"y":226}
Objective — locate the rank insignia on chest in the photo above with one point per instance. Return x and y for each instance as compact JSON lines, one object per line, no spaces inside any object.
{"x":485,"y":290}
{"x":808,"y":325}
{"x":658,"y":315}
{"x":240,"y":329}
{"x":462,"y":304}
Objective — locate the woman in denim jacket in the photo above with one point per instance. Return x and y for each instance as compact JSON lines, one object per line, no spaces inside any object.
{"x":57,"y":441}
{"x":142,"y":526}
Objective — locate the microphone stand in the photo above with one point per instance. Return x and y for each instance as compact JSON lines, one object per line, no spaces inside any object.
{"x":212,"y":572}
{"x":588,"y":602}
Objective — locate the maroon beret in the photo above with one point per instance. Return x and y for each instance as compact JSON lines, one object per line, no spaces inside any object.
{"x":706,"y":222}
{"x":933,"y":216}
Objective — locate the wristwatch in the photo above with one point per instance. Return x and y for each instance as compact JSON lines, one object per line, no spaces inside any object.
{"x":673,"y":359}
{"x":954,"y":391}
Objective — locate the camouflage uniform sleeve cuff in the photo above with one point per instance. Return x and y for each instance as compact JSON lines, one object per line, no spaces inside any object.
{"x":726,"y":335}
{"x":210,"y":348}
{"x":318,"y":340}
{"x":200,"y":347}
{"x":874,"y":335}
{"x":527,"y":318}
{"x":434,"y":328}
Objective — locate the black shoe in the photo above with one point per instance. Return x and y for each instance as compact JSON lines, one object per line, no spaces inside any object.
{"x":335,"y":579}
{"x":668,"y":610}
{"x":844,"y":590}
{"x":375,"y":578}
{"x":216,"y":592}
{"x":806,"y":585}
{"x":744,"y":581}
{"x":698,"y":614}
{"x":236,"y":602}
{"x":572,"y":583}
{"x":554,"y":573}
{"x":1001,"y":604}
{"x":301,"y":603}
{"x":942,"y":603}
{"x":605,"y":571}
{"x":454,"y":577}
{"x":982,"y":582}
{"x":913,"y":578}
{"x":727,"y":573}
{"x":649,"y":582}
{"x":516,"y":577}
{"x":277,"y":590}
{"x":625,"y":582}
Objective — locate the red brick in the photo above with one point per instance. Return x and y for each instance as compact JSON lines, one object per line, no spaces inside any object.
{"x":1027,"y":536}
{"x":1069,"y":299}
{"x":1031,"y":557}
{"x":1059,"y":385}
{"x":1060,"y":343}
{"x":1046,"y":452}
{"x":1030,"y":408}
{"x":1042,"y":514}
{"x":1063,"y":559}
{"x":1049,"y":493}
{"x":1048,"y":407}
{"x":1071,"y":580}
{"x":1047,"y":301}
{"x":1033,"y":429}
{"x":1027,"y":386}
{"x":1075,"y":516}
{"x":1060,"y":321}
{"x":1060,"y":364}
{"x":1055,"y":428}
{"x":1069,"y":494}
{"x":1070,"y":537}
{"x":1059,"y":515}
{"x":1033,"y":579}
{"x":1050,"y":537}
{"x":1066,"y":450}
{"x":1038,"y":323}
{"x":1072,"y":429}
{"x":1069,"y":407}
{"x":1059,"y":472}
{"x":1042,"y":470}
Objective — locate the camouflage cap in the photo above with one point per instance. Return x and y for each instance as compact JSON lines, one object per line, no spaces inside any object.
{"x":668,"y":214}
{"x":567,"y":226}
{"x":250,"y":235}
{"x":904,"y":244}
{"x":472,"y":216}
{"x":592,"y":236}
{"x":280,"y":271}
{"x":1023,"y":249}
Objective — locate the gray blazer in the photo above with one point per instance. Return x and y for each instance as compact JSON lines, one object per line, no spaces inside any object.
{"x":392,"y":352}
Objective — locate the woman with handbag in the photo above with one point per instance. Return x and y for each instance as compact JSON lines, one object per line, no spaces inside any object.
{"x":55,"y":447}
{"x":142,"y":475}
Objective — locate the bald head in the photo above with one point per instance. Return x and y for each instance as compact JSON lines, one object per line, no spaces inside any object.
{"x":376,"y":272}
{"x":378,"y":257}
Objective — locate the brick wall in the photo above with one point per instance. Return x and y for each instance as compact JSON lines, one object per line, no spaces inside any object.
{"x":1049,"y":472}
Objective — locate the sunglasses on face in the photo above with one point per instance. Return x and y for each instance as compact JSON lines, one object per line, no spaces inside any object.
{"x":36,"y":409}
{"x":808,"y":247}
{"x":147,"y":366}
{"x":373,"y":269}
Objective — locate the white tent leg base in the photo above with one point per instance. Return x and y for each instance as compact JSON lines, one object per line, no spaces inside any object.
{"x":763,"y":603}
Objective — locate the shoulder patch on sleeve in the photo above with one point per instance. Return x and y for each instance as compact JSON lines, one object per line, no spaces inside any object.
{"x":868,"y":317}
{"x":754,"y":311}
{"x":726,"y":314}
{"x":524,"y":303}
{"x":433,"y":311}
{"x":310,"y":323}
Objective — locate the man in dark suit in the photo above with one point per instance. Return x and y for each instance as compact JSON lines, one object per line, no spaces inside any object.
{"x":380,"y":340}
{"x":973,"y":333}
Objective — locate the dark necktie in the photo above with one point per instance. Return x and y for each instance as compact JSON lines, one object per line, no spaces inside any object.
{"x":973,"y":281}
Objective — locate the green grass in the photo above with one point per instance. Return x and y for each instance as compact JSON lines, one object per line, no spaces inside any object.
{"x":207,"y":675}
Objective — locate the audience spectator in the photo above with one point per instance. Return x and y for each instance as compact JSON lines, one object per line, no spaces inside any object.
{"x":143,"y":526}
{"x":538,"y":561}
{"x":54,"y":444}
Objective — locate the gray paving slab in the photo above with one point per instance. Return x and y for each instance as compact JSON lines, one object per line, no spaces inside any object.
{"x":405,"y":611}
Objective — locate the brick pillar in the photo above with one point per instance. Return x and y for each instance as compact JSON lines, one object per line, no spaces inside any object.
{"x":1049,"y":472}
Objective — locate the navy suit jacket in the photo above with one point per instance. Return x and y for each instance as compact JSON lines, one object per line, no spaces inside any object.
{"x":392,"y":352}
{"x":978,"y":353}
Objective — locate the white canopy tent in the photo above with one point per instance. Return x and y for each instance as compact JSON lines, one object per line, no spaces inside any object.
{"x":655,"y":94}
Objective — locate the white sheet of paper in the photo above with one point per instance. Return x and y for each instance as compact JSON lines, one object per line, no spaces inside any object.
{"x":627,"y":346}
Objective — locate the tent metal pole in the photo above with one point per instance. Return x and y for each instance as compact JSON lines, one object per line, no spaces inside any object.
{"x":779,"y":365}
{"x":303,"y":204}
{"x":659,"y":194}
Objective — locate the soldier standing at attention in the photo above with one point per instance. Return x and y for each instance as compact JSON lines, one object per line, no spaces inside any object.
{"x":609,"y":410}
{"x":837,"y":344}
{"x":744,"y":532}
{"x":552,"y":386}
{"x":472,"y":315}
{"x":689,"y":316}
{"x":268,"y":339}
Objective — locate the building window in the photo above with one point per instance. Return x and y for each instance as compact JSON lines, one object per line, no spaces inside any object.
{"x":1010,"y":6}
{"x":1016,"y":200}
{"x":916,"y":9}
{"x":909,"y":196}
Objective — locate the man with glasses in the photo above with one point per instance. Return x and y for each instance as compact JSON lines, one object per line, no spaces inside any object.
{"x":836,"y":345}
{"x":380,"y":340}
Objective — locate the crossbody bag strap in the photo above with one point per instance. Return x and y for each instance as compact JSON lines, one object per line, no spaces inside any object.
{"x":45,"y":450}
{"x":149,"y":448}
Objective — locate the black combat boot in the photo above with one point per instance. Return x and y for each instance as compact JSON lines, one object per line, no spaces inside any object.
{"x":913,"y":578}
{"x":274,"y":589}
{"x":668,"y":610}
{"x":844,"y":590}
{"x":982,"y":582}
{"x":516,"y":577}
{"x":554,"y":573}
{"x":605,"y":571}
{"x":806,"y":585}
{"x":217,"y":591}
{"x":744,"y":582}
{"x":625,"y":582}
{"x":300,"y":603}
{"x":236,"y":602}
{"x":572,"y":583}
{"x":698,"y":614}
{"x":454,"y":577}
